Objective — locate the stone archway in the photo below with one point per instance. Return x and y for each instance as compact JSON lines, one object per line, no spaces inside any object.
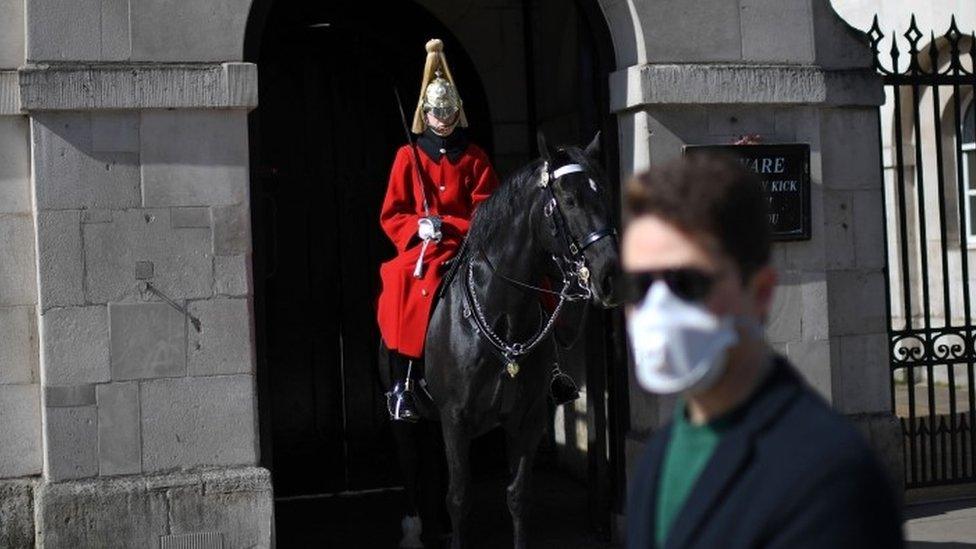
{"x":506,"y":126}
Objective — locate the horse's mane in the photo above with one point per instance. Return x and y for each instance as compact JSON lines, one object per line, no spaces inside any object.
{"x":499,"y":208}
{"x":514,"y":194}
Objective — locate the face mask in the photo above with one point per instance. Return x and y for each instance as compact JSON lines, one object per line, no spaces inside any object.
{"x":678,"y":346}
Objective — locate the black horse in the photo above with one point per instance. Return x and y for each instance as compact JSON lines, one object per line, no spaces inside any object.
{"x":546,"y":231}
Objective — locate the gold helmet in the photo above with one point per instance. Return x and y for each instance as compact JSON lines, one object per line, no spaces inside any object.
{"x":438,"y":94}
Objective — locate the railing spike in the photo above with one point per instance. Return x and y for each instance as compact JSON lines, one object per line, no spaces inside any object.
{"x":933,"y":54}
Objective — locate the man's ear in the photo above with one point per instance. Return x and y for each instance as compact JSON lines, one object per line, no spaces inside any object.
{"x":761,"y":289}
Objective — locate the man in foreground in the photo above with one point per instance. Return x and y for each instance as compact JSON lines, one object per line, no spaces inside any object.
{"x":753,"y":457}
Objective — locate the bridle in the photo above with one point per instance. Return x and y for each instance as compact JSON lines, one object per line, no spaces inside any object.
{"x":572,"y":265}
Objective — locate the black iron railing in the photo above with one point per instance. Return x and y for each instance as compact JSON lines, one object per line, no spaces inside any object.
{"x":932,"y":343}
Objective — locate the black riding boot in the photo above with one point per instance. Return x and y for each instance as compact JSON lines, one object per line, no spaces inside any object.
{"x":562,"y":387}
{"x":401,"y":401}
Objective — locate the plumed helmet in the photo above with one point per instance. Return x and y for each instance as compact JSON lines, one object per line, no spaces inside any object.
{"x":438,"y":92}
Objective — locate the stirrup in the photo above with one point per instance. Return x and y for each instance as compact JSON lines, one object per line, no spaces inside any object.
{"x":562,"y":388}
{"x":401,"y":403}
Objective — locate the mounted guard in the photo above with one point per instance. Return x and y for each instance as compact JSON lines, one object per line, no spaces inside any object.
{"x":433,"y":190}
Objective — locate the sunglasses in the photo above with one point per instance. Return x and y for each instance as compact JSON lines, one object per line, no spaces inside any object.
{"x":689,"y":284}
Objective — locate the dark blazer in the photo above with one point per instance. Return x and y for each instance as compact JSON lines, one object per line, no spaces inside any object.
{"x":791,"y":473}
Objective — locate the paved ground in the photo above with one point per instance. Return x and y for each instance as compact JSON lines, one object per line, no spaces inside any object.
{"x":948,"y":525}
{"x":559,"y":519}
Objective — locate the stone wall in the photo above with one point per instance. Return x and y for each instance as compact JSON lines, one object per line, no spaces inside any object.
{"x":791,"y":71}
{"x":126,"y":341}
{"x":20,"y":394}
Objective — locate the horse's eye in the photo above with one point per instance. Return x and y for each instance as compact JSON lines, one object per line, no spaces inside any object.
{"x":570,"y":202}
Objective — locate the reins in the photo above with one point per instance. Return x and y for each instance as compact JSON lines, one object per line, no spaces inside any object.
{"x":509,"y":352}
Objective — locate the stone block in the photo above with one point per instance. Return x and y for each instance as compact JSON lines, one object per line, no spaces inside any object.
{"x":223,"y":344}
{"x":20,"y":430}
{"x":14,"y":159}
{"x":116,"y":513}
{"x":17,"y":513}
{"x":71,"y":443}
{"x":61,"y":258}
{"x":140,"y":511}
{"x":147,"y":340}
{"x":182,"y":262}
{"x":119,"y":429}
{"x":115,"y":30}
{"x":190,"y":422}
{"x":716,"y":37}
{"x":777,"y":31}
{"x":857,"y":302}
{"x":231,"y":230}
{"x":812,"y":359}
{"x":194,"y":157}
{"x":850,"y":151}
{"x":69,"y":396}
{"x":190,"y":218}
{"x":234,"y":502}
{"x":70,"y":174}
{"x":786,"y":313}
{"x":18,"y":283}
{"x":862,"y":381}
{"x":838,"y":229}
{"x":11,"y":35}
{"x":18,"y":345}
{"x":58,"y":31}
{"x":231,"y":275}
{"x":869,"y":229}
{"x":74,"y":345}
{"x":211,"y":31}
{"x":115,"y":131}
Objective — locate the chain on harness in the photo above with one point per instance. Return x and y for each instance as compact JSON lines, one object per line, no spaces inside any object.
{"x":573,"y":269}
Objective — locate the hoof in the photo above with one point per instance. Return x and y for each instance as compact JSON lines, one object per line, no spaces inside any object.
{"x":411,"y":533}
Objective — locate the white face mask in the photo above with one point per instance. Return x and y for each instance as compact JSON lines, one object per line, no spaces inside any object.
{"x":678,"y":346}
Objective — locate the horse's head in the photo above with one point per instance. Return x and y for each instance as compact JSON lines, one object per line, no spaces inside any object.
{"x":579,"y":227}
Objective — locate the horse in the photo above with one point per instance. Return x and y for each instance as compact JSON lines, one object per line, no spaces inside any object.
{"x":546,"y":231}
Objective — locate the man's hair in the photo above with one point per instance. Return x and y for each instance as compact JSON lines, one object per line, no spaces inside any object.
{"x":708,"y":194}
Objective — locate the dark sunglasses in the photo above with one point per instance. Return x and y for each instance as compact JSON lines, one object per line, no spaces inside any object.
{"x":688,"y":284}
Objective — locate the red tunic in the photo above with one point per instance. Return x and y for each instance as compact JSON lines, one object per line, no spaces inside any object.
{"x":454,"y":189}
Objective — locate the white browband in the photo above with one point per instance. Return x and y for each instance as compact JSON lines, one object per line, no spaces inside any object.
{"x":567,"y":169}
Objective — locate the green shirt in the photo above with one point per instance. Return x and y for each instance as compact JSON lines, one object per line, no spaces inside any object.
{"x":687,"y":452}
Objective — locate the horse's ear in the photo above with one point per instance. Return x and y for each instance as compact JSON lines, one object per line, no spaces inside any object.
{"x":544,"y":151}
{"x":592,"y":150}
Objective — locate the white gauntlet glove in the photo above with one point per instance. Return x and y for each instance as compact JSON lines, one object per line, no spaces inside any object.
{"x":429,"y":228}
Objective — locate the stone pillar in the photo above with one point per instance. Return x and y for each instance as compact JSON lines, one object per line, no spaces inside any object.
{"x":20,"y":395}
{"x":124,"y":203}
{"x":791,"y":71}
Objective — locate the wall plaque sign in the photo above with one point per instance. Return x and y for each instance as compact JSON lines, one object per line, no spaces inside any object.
{"x":784,"y":170}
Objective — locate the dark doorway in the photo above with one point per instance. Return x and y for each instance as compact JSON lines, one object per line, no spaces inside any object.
{"x":321,"y":141}
{"x":328,"y":127}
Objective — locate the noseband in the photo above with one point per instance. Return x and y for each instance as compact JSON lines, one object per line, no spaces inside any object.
{"x":575,"y":262}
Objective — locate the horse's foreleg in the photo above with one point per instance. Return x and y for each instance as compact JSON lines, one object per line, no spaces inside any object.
{"x":521,"y":448}
{"x":456,"y":446}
